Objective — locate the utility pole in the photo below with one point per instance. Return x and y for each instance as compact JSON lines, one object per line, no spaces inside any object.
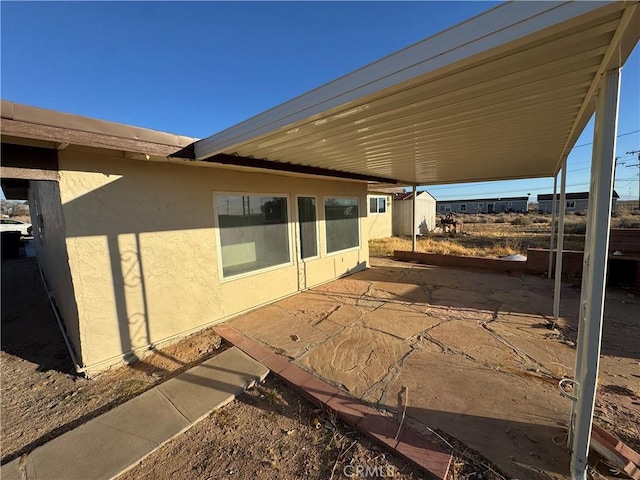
{"x":636,"y":152}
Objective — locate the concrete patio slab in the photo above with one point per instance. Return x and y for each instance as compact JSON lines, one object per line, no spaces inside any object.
{"x":11,"y":470}
{"x":387,"y":431}
{"x":356,"y":358}
{"x":399,"y":320}
{"x":477,"y":342}
{"x":475,"y":350}
{"x":113,"y":442}
{"x":277,"y":327}
{"x":403,"y":292}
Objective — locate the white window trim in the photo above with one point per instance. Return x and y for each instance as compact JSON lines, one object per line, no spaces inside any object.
{"x":571,"y":204}
{"x":221,"y":277}
{"x":378,"y":212}
{"x":324,"y":221}
{"x":463,"y":205}
{"x":297,"y":229}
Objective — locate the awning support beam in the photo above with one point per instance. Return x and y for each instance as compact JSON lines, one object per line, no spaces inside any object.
{"x":413,"y":220}
{"x":594,"y":271}
{"x":558,"y":271}
{"x":553,"y":225}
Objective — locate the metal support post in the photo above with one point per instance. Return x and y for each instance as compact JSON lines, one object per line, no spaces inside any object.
{"x":413,"y":220}
{"x":594,"y":271}
{"x":558,"y":271}
{"x":553,"y":225}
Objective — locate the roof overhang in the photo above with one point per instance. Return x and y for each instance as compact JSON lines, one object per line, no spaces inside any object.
{"x":39,"y":127}
{"x":504,"y":95}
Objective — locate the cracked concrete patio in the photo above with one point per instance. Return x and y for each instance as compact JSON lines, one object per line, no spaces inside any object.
{"x":476,"y":351}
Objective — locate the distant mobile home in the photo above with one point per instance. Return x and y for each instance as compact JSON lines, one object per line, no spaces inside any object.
{"x":484,"y":205}
{"x":403,"y":213}
{"x":574,"y":202}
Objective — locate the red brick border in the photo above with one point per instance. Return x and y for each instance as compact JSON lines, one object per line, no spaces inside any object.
{"x":432,"y":458}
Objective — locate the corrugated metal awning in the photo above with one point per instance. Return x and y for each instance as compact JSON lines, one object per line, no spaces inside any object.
{"x":504,"y":95}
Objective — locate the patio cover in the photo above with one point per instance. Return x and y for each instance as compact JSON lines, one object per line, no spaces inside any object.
{"x":504,"y":95}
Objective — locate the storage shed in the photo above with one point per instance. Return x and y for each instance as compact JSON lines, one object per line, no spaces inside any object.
{"x":403,"y":213}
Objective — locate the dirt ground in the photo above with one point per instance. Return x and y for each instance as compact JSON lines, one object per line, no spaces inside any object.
{"x":42,"y":396}
{"x":269,"y":432}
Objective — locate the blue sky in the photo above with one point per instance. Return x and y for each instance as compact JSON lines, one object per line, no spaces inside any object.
{"x":197,"y":68}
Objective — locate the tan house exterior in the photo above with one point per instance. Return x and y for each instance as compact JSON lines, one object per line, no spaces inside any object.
{"x":139,"y":250}
{"x":379,"y":215}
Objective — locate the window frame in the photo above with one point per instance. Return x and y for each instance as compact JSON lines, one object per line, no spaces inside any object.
{"x":378,"y":198}
{"x":216,"y":223}
{"x":297,"y":229}
{"x":324,"y":220}
{"x":570,"y":204}
{"x":463,"y":207}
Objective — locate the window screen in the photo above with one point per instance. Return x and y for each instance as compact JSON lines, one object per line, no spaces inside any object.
{"x":341,"y":223}
{"x":254,"y":233}
{"x":308,"y":231}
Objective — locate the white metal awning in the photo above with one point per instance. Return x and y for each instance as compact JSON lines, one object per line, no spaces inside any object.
{"x":504,"y":95}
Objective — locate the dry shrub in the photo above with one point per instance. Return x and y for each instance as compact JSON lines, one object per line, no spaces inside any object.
{"x":625,"y":222}
{"x":521,"y":220}
{"x":541,"y":220}
{"x":575,"y":226}
{"x":498,"y":247}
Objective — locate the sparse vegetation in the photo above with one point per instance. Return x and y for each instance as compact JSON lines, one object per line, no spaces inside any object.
{"x":498,"y":235}
{"x":521,"y":220}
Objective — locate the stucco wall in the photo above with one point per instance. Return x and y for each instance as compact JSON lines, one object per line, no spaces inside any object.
{"x":142,"y":246}
{"x":49,"y":238}
{"x":379,"y":225}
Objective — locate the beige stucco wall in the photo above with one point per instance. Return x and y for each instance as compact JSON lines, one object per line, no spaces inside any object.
{"x":143,"y":256}
{"x":379,"y":225}
{"x":49,"y":238}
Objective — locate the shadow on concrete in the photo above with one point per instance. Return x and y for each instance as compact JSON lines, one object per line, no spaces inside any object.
{"x":516,"y":295}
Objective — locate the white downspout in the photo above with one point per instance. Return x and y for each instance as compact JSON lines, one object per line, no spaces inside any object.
{"x":56,"y":313}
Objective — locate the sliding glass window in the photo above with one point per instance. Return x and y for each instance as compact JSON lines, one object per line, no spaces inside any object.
{"x":254,"y":233}
{"x":307,"y":218}
{"x":342,"y":223}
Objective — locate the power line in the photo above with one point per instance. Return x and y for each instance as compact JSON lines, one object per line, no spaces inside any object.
{"x":621,"y":135}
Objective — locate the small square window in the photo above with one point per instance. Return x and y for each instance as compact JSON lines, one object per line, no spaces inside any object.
{"x":463,"y":207}
{"x":377,"y":204}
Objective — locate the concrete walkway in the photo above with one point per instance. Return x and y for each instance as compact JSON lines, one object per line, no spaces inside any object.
{"x":476,"y":351}
{"x":112,"y":443}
